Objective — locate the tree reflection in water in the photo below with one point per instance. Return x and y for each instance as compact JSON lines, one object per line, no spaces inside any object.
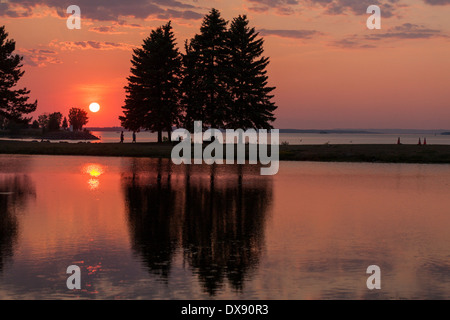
{"x":215,"y":214}
{"x":15,"y":191}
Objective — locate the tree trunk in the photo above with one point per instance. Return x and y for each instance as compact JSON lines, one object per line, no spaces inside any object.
{"x":169,"y":133}
{"x":159,"y":136}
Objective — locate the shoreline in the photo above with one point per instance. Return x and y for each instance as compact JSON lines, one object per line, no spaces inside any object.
{"x":36,"y":134}
{"x":426,"y":154}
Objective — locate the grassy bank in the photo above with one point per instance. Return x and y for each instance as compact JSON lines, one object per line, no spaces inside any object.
{"x":53,"y":135}
{"x":326,"y":153}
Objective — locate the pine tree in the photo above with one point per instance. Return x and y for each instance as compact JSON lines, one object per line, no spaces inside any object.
{"x":205,"y":68}
{"x":153,"y":90}
{"x":193,"y":93}
{"x":251,"y":105}
{"x":35,"y":125}
{"x":65,"y":124}
{"x":13,"y":102}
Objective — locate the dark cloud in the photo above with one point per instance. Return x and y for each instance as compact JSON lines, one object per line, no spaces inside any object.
{"x":6,"y":9}
{"x":357,"y":7}
{"x":332,"y":7}
{"x":105,"y":30}
{"x":437,"y":2}
{"x":105,"y":10}
{"x":123,"y":23}
{"x":283,"y":7}
{"x":188,"y":15}
{"x":294,"y":34}
{"x":275,"y":3}
{"x":407,"y":31}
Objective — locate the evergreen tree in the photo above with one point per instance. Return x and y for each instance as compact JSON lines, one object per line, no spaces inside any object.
{"x":13,"y":102}
{"x":35,"y":125}
{"x":65,"y":124}
{"x":206,"y":61}
{"x":153,"y":90}
{"x":193,"y":93}
{"x":251,"y":105}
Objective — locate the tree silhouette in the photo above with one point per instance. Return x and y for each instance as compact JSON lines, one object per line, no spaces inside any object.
{"x":206,"y":61}
{"x":54,"y":121}
{"x":78,"y":118}
{"x":65,"y":124}
{"x":13,"y":102}
{"x":35,"y":125}
{"x":43,"y":120}
{"x":251,"y":105}
{"x":152,"y":100}
{"x":221,"y":80}
{"x":193,"y":93}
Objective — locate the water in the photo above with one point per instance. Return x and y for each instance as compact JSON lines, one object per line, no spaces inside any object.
{"x":291,"y":138}
{"x":145,"y":229}
{"x":305,"y":138}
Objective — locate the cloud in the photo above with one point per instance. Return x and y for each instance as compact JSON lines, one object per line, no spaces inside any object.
{"x":437,"y":2}
{"x":406,"y":31}
{"x":283,"y":7}
{"x":331,"y":7}
{"x":294,"y":34}
{"x":105,"y":30}
{"x":106,"y":10}
{"x":90,"y":45}
{"x":351,"y":43}
{"x":39,"y":57}
{"x":125,"y":24}
{"x":13,"y":11}
{"x":357,"y":7}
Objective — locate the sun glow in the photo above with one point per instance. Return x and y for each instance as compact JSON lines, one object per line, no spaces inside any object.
{"x":94,"y":171}
{"x":94,"y":107}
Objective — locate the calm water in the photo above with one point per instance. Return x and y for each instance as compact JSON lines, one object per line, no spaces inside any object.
{"x":306,"y":138}
{"x":291,"y":138}
{"x":145,"y":229}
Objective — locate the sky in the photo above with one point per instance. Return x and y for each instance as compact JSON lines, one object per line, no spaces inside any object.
{"x":329,"y":69}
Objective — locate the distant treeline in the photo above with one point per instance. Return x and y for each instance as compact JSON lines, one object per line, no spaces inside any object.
{"x":106,"y":129}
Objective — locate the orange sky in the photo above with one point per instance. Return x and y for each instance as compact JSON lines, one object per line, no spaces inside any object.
{"x":330,"y":70}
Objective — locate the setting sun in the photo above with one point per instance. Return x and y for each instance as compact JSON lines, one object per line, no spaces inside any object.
{"x":94,"y":107}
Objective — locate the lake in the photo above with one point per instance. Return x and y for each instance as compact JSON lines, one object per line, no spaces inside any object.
{"x":290,"y":138}
{"x":146,"y":229}
{"x":304,"y":138}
